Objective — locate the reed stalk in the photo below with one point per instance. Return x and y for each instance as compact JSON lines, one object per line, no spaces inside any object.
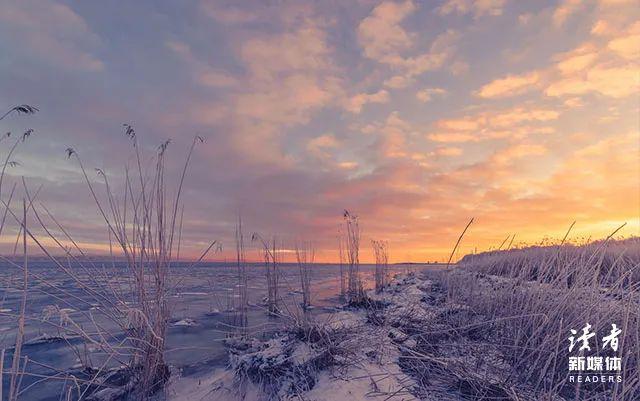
{"x":381,"y":252}
{"x":355,"y":287}
{"x":305,"y":256}
{"x":271,"y":258}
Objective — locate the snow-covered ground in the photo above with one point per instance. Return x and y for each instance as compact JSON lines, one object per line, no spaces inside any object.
{"x":398,"y":348}
{"x":362,"y":364}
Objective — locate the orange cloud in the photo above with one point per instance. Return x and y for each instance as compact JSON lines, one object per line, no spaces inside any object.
{"x":615,"y":82}
{"x":627,"y":45}
{"x":510,"y":123}
{"x":577,"y":60}
{"x":510,"y":85}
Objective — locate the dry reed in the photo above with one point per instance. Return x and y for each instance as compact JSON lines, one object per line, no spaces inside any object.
{"x":18,"y":368}
{"x":305,"y":256}
{"x":271,"y":258}
{"x":530,"y":298}
{"x":142,"y":223}
{"x":381,"y":252}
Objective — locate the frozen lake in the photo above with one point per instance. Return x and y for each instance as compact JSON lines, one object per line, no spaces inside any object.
{"x":201,"y":303}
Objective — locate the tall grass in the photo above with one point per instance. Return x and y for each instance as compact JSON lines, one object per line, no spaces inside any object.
{"x":532,"y":297}
{"x":142,"y":223}
{"x":271,"y":258}
{"x":602,"y":263}
{"x":355,"y":289}
{"x":18,"y":367}
{"x":381,"y":252}
{"x":305,"y":256}
{"x":240,"y":310}
{"x":343,"y":277}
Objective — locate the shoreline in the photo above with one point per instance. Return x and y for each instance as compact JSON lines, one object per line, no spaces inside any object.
{"x":412,"y":341}
{"x":370,"y":357}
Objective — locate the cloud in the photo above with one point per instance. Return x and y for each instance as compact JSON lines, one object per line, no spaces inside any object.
{"x":323,"y":141}
{"x":398,"y":82}
{"x":290,"y":75}
{"x":349,"y":165}
{"x":566,"y":9}
{"x":381,"y":35}
{"x":426,"y":95}
{"x":449,"y":151}
{"x":465,"y":124}
{"x":627,"y":45}
{"x":478,"y":8}
{"x":577,"y":60}
{"x":602,"y":66}
{"x":602,"y":28}
{"x":574,"y":102}
{"x":393,"y":135}
{"x":510,"y":85}
{"x":383,"y":39}
{"x":615,"y":82}
{"x":284,"y":75}
{"x":442,"y":49}
{"x":520,"y":114}
{"x":518,"y":151}
{"x":52,"y":32}
{"x":453,"y":137}
{"x":303,"y":47}
{"x":321,"y":146}
{"x":357,"y":102}
{"x":292,"y":102}
{"x":272,"y":84}
{"x":203,"y":73}
{"x":514,"y":123}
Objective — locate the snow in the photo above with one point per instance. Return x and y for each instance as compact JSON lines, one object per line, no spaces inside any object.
{"x":202,"y":388}
{"x":186,"y":322}
{"x":302,"y":353}
{"x":362,"y":367}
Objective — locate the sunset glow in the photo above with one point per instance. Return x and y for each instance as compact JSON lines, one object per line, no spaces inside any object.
{"x":416,"y":116}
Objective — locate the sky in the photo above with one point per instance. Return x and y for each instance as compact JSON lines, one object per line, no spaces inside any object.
{"x":414,"y":115}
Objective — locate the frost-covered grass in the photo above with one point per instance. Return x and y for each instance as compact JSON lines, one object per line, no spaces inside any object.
{"x":606,"y":263}
{"x":143,"y":225}
{"x":531,"y":298}
{"x":481,"y":330}
{"x":347,"y":354}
